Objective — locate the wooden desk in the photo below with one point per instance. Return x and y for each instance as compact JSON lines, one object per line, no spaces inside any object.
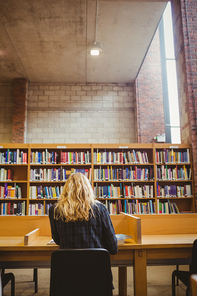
{"x":163,"y":248}
{"x":14,"y":254}
{"x":165,"y":240}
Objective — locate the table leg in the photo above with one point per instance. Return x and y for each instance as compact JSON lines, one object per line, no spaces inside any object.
{"x":122,"y":281}
{"x":140,"y":273}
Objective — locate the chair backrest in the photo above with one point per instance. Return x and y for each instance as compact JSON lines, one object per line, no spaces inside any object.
{"x":193,"y":284}
{"x":80,"y":272}
{"x":194,"y":258}
{"x":1,"y":288}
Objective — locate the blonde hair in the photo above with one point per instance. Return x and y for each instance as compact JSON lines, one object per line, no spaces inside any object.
{"x":76,"y":200}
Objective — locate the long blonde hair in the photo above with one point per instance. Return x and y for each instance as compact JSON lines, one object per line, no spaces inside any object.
{"x":76,"y":200}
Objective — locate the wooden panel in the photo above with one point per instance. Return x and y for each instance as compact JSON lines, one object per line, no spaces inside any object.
{"x":120,"y":223}
{"x":169,"y":253}
{"x":122,"y":281}
{"x":55,"y":146}
{"x":127,"y":224}
{"x":123,"y":255}
{"x":26,"y":256}
{"x":140,"y":273}
{"x":134,"y":228}
{"x":168,"y":223}
{"x":21,"y":225}
{"x":31,"y":236}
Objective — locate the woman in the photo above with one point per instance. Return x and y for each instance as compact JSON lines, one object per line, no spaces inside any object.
{"x":78,"y":221}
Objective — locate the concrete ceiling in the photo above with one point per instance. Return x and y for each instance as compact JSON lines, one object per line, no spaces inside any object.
{"x":47,"y":40}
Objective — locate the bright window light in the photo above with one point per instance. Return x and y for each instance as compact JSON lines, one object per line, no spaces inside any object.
{"x":171,"y":76}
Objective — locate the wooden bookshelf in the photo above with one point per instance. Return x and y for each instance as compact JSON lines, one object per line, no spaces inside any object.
{"x":130,"y":178}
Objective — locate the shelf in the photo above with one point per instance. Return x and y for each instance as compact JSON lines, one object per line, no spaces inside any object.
{"x":124,"y":187}
{"x":174,"y":163}
{"x":14,"y":181}
{"x":175,"y":197}
{"x":59,"y":164}
{"x":14,"y":164}
{"x":43,"y":199}
{"x":13,"y":199}
{"x":124,"y":181}
{"x":123,"y":164}
{"x":124,"y":198}
{"x":169,"y":181}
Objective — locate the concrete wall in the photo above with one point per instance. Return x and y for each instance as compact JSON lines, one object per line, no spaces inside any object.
{"x":80,"y":113}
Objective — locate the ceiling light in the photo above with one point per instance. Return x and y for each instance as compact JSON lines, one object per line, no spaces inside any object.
{"x":95,"y":48}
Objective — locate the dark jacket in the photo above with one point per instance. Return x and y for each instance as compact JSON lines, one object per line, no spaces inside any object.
{"x":98,"y":232}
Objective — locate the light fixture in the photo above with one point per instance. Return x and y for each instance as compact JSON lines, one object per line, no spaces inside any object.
{"x":95,"y":48}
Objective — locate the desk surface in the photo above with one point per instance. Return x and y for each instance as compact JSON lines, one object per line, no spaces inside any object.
{"x":153,"y":247}
{"x":148,"y":241}
{"x":169,"y":240}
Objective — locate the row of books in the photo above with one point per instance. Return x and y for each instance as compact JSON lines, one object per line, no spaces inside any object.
{"x":136,"y":191}
{"x":174,"y":190}
{"x":49,"y":192}
{"x":114,"y":208}
{"x":110,"y":157}
{"x":8,"y":191}
{"x":168,"y":208}
{"x":76,"y":157}
{"x":170,"y":156}
{"x":110,"y":191}
{"x":133,"y":191}
{"x":47,"y":206}
{"x":13,"y":157}
{"x":6,"y":174}
{"x":11,"y":208}
{"x":165,"y":173}
{"x":67,"y":172}
{"x":137,"y":207}
{"x":130,"y":207}
{"x":36,"y":209}
{"x":119,"y":174}
{"x":56,"y":174}
{"x":43,"y":157}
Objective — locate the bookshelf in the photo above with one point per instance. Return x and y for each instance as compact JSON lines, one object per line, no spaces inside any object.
{"x":132,"y":178}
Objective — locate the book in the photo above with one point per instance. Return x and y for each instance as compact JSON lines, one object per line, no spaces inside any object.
{"x":122,"y":237}
{"x":51,"y":242}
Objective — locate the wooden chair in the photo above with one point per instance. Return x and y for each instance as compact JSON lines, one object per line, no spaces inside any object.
{"x":80,"y":272}
{"x":193,"y":284}
{"x":184,"y":276}
{"x":4,"y":280}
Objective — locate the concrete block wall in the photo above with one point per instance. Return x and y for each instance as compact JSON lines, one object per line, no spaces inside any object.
{"x":80,"y":113}
{"x":6,"y":111}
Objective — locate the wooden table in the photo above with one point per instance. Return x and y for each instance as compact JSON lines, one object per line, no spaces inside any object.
{"x":153,"y":249}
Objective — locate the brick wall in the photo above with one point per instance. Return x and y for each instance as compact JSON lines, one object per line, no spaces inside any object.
{"x":80,"y":113}
{"x":6,"y":112}
{"x":185,"y":29}
{"x":149,"y":96}
{"x":20,"y":110}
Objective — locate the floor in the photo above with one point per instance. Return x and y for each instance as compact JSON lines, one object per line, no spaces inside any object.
{"x":159,"y":282}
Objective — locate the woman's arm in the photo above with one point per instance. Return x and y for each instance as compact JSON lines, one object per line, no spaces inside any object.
{"x":109,"y":238}
{"x":54,"y":231}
